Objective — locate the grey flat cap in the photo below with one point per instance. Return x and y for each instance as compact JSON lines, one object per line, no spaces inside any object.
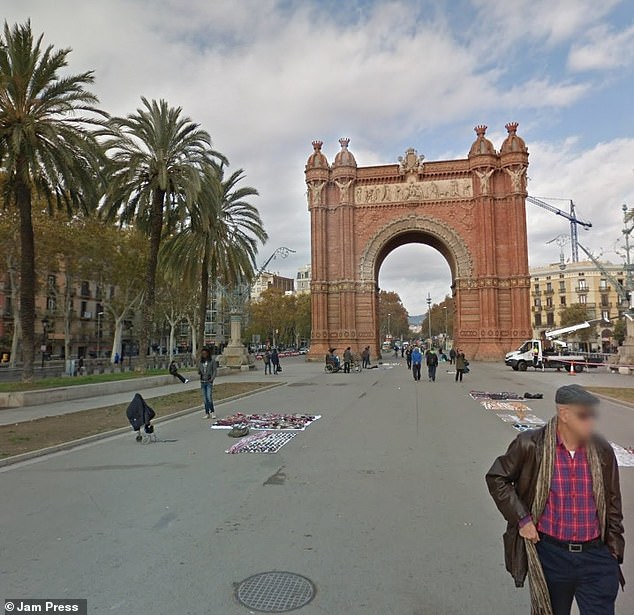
{"x":575,"y":394}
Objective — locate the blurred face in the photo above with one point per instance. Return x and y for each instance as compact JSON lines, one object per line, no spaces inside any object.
{"x":580,"y":420}
{"x":204,"y":355}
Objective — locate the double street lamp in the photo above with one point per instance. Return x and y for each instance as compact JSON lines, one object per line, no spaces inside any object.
{"x":429,"y":313}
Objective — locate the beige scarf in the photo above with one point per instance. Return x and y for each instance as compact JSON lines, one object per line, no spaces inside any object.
{"x":540,"y":598}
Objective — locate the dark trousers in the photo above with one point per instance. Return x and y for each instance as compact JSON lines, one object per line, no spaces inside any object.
{"x":180,"y":377}
{"x":416,"y":371}
{"x":267,"y":367}
{"x":459,"y":373}
{"x":346,"y":367}
{"x":409,"y":363}
{"x":431,"y":372}
{"x":591,"y":578}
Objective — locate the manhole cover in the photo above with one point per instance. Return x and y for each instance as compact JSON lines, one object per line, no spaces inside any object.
{"x":275,"y":592}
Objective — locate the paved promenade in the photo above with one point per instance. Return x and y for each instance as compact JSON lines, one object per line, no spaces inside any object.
{"x":381,"y":503}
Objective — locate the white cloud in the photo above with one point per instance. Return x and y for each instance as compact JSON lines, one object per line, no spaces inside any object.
{"x":266,"y":79}
{"x":603,"y":49}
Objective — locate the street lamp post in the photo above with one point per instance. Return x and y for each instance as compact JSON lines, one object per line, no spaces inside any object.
{"x":44,"y":338}
{"x":446,"y":328}
{"x":389,"y":328}
{"x":429,"y":313}
{"x":99,"y":315}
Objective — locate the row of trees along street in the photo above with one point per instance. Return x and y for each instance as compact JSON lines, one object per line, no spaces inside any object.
{"x":147,"y":190}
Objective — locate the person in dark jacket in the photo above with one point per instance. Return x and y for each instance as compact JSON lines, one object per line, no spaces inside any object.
{"x":140,"y":415}
{"x":275,"y":360}
{"x":558,"y":489}
{"x":431,"y":359}
{"x":347,"y":360}
{"x":365,"y":357}
{"x":207,"y":370}
{"x":452,"y":356}
{"x":173,"y":369}
{"x":461,"y":364}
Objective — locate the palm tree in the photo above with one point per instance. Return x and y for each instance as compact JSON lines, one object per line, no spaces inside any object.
{"x":158,"y":155}
{"x":48,"y":151}
{"x":221,"y":240}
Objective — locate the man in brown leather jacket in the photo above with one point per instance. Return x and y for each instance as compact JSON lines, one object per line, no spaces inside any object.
{"x":558,"y":489}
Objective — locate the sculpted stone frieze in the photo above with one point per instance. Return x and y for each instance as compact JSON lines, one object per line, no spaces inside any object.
{"x":439,"y":190}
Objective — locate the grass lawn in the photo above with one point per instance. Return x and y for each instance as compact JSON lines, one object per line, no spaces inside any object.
{"x":69,"y":381}
{"x":40,"y":433}
{"x":620,"y":393}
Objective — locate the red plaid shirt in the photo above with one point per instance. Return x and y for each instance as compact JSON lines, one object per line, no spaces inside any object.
{"x":570,"y":514}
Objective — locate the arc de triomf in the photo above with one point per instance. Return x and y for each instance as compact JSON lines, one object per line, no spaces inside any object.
{"x":471,"y":210}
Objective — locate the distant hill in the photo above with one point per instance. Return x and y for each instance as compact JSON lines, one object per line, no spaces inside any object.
{"x":416,"y":320}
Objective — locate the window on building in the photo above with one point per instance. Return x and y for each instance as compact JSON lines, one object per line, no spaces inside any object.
{"x":51,"y":303}
{"x":85,"y":289}
{"x":605,"y":301}
{"x":605,"y":315}
{"x":98,"y":292}
{"x":538,"y":302}
{"x":583,"y":299}
{"x":538,"y":319}
{"x":562,"y":287}
{"x":550,"y":319}
{"x":51,"y":283}
{"x":536,"y":288}
{"x":83,"y":309}
{"x":562,"y":300}
{"x":8,"y":306}
{"x":583,"y":285}
{"x":603,"y":284}
{"x":549,"y":302}
{"x":549,"y":287}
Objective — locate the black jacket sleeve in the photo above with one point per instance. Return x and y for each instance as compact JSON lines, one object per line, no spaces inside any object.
{"x":501,"y":479}
{"x":614,"y":522}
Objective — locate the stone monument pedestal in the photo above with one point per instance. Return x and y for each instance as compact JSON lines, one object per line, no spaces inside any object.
{"x":235,"y":355}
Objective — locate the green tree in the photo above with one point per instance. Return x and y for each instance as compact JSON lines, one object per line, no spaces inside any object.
{"x":47,"y":147}
{"x":576,"y":314}
{"x":397,"y":323}
{"x":221,"y":241}
{"x":440,"y":318}
{"x":303,"y":317}
{"x":157,"y":156}
{"x":273,"y":317}
{"x":619,"y":332}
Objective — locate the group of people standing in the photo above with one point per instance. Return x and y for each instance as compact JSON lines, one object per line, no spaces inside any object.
{"x":271,"y":360}
{"x":414,"y":357}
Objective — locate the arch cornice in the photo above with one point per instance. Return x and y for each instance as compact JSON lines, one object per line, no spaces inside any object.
{"x":442,"y":234}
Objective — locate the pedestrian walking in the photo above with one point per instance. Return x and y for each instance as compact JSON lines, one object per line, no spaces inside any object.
{"x":173,"y":370}
{"x":452,"y":356}
{"x":417,"y":360}
{"x":402,"y":351}
{"x":558,"y":489}
{"x":431,"y":359}
{"x":408,"y":357}
{"x":347,"y":360}
{"x":396,"y":352}
{"x":208,"y":370}
{"x":365,"y":358}
{"x":275,"y":360}
{"x":461,"y":364}
{"x":267,"y":361}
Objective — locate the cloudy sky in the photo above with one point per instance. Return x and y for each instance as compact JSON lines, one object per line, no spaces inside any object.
{"x":265,"y":77}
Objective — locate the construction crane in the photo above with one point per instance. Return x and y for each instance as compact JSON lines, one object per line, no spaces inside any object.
{"x":570,"y":215}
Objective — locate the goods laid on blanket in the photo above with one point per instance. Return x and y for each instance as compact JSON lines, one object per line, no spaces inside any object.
{"x":265,"y":442}
{"x":267,"y":421}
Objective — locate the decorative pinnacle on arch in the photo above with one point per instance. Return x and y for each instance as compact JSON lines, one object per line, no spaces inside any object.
{"x":344,"y":142}
{"x":317,"y":145}
{"x":512,"y":127}
{"x":480,"y":130}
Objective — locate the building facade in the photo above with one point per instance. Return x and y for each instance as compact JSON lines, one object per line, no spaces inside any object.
{"x":304,"y":276}
{"x":268,"y":280}
{"x":553,"y":289}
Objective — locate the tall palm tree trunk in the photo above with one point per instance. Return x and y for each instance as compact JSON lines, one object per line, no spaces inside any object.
{"x":27,"y":274}
{"x":156,"y":230}
{"x":204,"y":298}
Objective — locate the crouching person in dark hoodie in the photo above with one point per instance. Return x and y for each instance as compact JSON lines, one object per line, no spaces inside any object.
{"x":140,"y":415}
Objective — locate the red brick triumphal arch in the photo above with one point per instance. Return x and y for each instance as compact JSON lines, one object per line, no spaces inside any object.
{"x":471,"y":210}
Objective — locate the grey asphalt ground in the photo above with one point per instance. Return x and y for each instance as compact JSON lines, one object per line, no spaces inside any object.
{"x":381,"y":503}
